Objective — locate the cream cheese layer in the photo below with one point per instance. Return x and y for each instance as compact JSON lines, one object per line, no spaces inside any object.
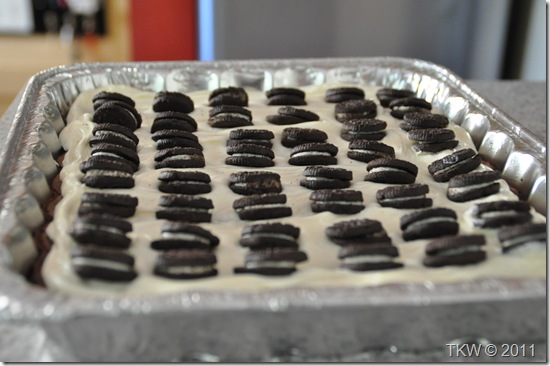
{"x":322,"y":267}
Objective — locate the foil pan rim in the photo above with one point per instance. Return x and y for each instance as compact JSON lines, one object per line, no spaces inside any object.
{"x":23,"y":302}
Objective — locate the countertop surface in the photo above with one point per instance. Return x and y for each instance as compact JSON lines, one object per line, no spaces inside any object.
{"x":523,"y":101}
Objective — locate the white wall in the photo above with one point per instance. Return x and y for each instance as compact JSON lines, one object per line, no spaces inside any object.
{"x":533,"y":66}
{"x":463,"y":35}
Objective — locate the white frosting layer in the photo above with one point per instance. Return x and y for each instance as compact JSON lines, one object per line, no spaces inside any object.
{"x":322,"y":267}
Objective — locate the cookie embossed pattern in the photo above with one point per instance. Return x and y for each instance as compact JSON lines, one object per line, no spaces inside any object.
{"x":448,"y":95}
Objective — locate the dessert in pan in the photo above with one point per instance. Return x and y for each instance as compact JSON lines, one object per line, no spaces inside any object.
{"x":236,"y":188}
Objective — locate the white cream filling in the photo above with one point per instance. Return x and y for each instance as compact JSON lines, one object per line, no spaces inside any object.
{"x":109,"y":173}
{"x":367,"y":259}
{"x":117,"y":134}
{"x":265,"y":205}
{"x":372,"y":152}
{"x":429,"y":221}
{"x":250,"y":155}
{"x":345,"y":203}
{"x":108,"y":229}
{"x":540,"y":237}
{"x":472,"y":187}
{"x":104,"y":153}
{"x":179,"y":157}
{"x":271,"y":264}
{"x":503,"y":213}
{"x":184,"y":236}
{"x":183,"y":209}
{"x":385,"y":169}
{"x":101,"y":263}
{"x":269,"y":235}
{"x":310,"y":153}
{"x":461,"y":250}
{"x":233,"y":115}
{"x":401,"y":199}
{"x":188,"y":269}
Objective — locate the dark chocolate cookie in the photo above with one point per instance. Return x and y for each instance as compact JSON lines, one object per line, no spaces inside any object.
{"x":101,"y":230}
{"x":366,"y":150}
{"x":249,"y":155}
{"x":357,"y":232}
{"x":184,"y":182}
{"x":228,"y":116}
{"x":97,"y":263}
{"x":228,"y":96}
{"x":455,"y":250}
{"x":518,"y":236}
{"x":363,"y":129}
{"x":262,"y":206}
{"x":459,"y":162}
{"x":182,"y":235}
{"x":185,"y":264}
{"x":386,"y":95}
{"x":338,"y":201}
{"x":496,"y":214}
{"x":429,"y":223}
{"x":391,"y":171}
{"x":285,"y":96}
{"x":251,"y":136}
{"x":474,"y":185}
{"x":179,"y":157}
{"x":272,"y":261}
{"x":270,"y":235}
{"x":255,"y":182}
{"x":166,"y":101}
{"x":314,"y":153}
{"x":290,"y":115}
{"x":415,"y":120}
{"x":372,"y":257}
{"x":294,"y":136}
{"x":120,"y":205}
{"x":187,"y":208}
{"x":322,"y":177}
{"x":354,"y":109}
{"x":171,"y":120}
{"x":401,"y":106}
{"x":404,"y":196}
{"x":342,"y":94}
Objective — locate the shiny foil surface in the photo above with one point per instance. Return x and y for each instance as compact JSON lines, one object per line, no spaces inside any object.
{"x":401,"y":322}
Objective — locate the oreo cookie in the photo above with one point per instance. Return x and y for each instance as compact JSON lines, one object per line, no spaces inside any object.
{"x":100,"y":172}
{"x":290,"y":115}
{"x":416,"y":120}
{"x":114,"y":134}
{"x":228,"y":96}
{"x":171,"y":120}
{"x":179,"y":157}
{"x":182,"y":235}
{"x":249,"y":155}
{"x":357,"y":232}
{"x":184,"y":182}
{"x":185,"y":264}
{"x":314,"y":153}
{"x":496,"y":214}
{"x":262,"y":206}
{"x":187,"y":208}
{"x":519,"y":237}
{"x":432,"y":140}
{"x":227,"y":116}
{"x":429,"y":223}
{"x":109,"y":151}
{"x":120,"y":205}
{"x":354,"y":109}
{"x":455,"y":251}
{"x":363,"y":129}
{"x":285,"y":96}
{"x":251,"y":136}
{"x":337,"y":201}
{"x":270,"y":235}
{"x":272,"y":261}
{"x":322,"y":177}
{"x":459,"y":162}
{"x":166,"y":101}
{"x":118,"y":113}
{"x":404,"y":196}
{"x":474,"y":185}
{"x":294,"y":136}
{"x":167,"y":139}
{"x":104,"y":264}
{"x":342,"y":94}
{"x":401,"y":106}
{"x":391,"y":171}
{"x":102,"y":230}
{"x":373,"y":257}
{"x":366,"y":150}
{"x":255,"y":182}
{"x":386,"y":95}
{"x":104,"y":96}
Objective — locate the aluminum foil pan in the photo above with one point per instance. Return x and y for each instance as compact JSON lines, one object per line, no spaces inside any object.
{"x":389,"y":322}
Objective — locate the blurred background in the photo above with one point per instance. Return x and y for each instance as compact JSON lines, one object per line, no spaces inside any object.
{"x":477,"y":39}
